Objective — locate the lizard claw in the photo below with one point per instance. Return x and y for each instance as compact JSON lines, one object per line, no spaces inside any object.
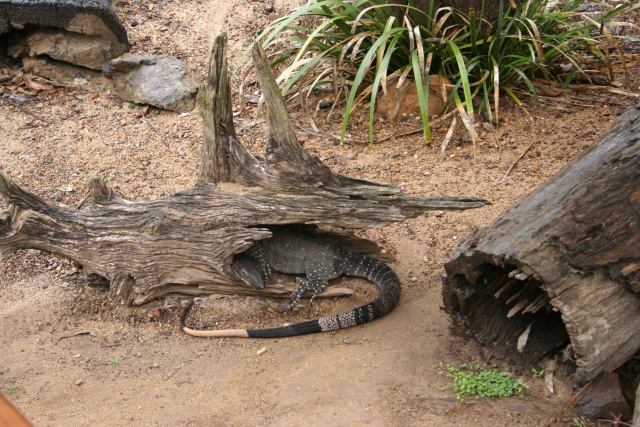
{"x":312,"y":301}
{"x":315,"y":286}
{"x":295,"y":298}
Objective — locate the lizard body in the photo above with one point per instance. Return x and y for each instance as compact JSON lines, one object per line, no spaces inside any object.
{"x":321,"y":260}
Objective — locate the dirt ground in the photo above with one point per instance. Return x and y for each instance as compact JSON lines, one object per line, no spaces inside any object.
{"x":71,"y":355}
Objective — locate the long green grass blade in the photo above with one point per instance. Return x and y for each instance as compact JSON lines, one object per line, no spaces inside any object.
{"x":362,"y":43}
{"x":464,"y":78}
{"x":422,"y":88}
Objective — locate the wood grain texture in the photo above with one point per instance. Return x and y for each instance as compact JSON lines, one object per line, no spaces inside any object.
{"x":577,"y":239}
{"x":184,"y":244}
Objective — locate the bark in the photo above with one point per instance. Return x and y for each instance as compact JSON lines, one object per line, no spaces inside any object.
{"x":572,"y":248}
{"x":184,"y":244}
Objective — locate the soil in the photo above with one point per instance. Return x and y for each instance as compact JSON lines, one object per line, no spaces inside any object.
{"x":72,"y":355}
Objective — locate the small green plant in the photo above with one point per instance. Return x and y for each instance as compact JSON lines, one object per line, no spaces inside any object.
{"x":481,"y":380}
{"x":92,"y":176}
{"x":113,"y":361}
{"x":11,"y":387}
{"x":581,"y":422}
{"x":537,"y":373}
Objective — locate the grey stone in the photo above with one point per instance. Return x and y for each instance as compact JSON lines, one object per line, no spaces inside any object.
{"x":68,"y":47}
{"x":161,"y":81}
{"x":68,"y":74}
{"x":86,"y":33}
{"x":602,"y":398}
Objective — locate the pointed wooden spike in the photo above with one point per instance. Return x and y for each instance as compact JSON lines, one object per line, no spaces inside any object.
{"x":284,"y":155}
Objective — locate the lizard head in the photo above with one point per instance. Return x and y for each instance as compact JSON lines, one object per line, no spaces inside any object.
{"x":248,"y":269}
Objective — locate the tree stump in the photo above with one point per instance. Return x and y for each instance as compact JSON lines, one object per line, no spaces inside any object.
{"x":563,"y":265}
{"x":185,"y":244}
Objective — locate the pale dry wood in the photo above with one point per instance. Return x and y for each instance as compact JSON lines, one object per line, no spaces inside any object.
{"x":184,"y":244}
{"x":577,"y":239}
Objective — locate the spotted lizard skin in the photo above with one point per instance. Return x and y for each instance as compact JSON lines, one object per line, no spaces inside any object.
{"x":320,"y":260}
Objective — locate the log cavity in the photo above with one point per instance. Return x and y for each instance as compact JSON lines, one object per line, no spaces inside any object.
{"x":508,"y":310}
{"x":575,"y":238}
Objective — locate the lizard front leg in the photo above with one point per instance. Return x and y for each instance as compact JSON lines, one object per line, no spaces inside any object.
{"x":257,"y":251}
{"x":312,"y":285}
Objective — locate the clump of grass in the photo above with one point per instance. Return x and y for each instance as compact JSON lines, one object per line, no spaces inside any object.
{"x":353,"y":48}
{"x":113,"y":361}
{"x":11,"y":387}
{"x":481,"y":380}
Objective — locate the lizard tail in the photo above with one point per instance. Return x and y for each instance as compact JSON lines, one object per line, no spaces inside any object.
{"x":358,"y":265}
{"x":303,"y":328}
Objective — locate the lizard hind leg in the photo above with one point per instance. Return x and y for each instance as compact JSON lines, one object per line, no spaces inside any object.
{"x":313,"y":285}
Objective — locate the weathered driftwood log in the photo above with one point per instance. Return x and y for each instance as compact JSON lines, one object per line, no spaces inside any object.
{"x":184,"y":244}
{"x":85,"y":33}
{"x":563,"y":264}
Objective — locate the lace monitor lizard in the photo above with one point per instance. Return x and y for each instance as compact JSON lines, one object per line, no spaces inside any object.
{"x":249,"y":270}
{"x":321,"y":260}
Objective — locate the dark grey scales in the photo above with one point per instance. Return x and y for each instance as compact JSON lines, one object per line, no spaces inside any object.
{"x":321,"y":260}
{"x":249,"y":270}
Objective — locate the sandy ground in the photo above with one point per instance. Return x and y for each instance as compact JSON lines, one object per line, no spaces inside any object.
{"x":72,"y":356}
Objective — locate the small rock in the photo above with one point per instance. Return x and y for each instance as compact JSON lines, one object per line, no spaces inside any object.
{"x":261,"y":351}
{"x":134,"y":23}
{"x":351,"y":156}
{"x":269,"y":8}
{"x":603,"y":398}
{"x":157,"y":80}
{"x":85,"y":33}
{"x":438,"y":214}
{"x":79,"y":382}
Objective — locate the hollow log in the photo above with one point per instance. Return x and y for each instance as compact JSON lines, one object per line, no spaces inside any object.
{"x":562,"y":265}
{"x":184,"y":244}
